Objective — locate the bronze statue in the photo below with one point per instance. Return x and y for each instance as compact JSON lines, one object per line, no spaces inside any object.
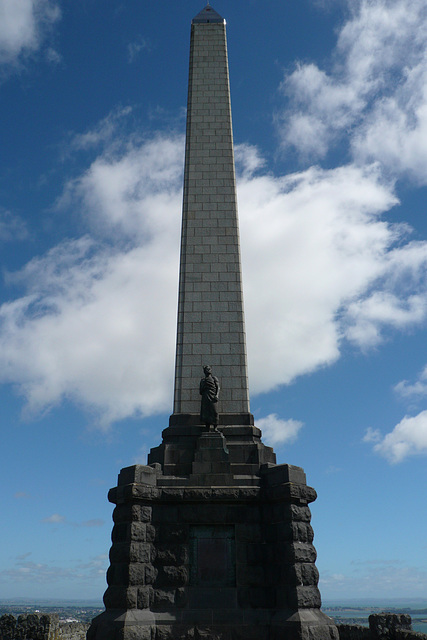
{"x":209,"y":390}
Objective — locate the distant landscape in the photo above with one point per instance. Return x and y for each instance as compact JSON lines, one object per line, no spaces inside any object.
{"x":342,"y":612}
{"x":67,"y":610}
{"x":358,"y":612}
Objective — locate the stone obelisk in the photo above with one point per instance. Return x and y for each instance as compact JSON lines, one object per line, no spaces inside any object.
{"x":212,"y":539}
{"x":210,"y":307}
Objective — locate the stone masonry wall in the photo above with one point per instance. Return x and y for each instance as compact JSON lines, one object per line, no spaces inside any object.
{"x":382,"y":626}
{"x":37,"y":626}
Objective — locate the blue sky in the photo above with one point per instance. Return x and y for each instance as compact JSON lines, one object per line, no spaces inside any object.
{"x":330,"y":123}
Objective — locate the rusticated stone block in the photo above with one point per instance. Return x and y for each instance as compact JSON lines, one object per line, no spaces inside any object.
{"x":353,"y":632}
{"x":137,"y":572}
{"x":174,"y":632}
{"x":117,"y":574}
{"x":138,"y":492}
{"x":150,"y":574}
{"x":309,"y":575}
{"x":300,"y":552}
{"x":304,"y":598}
{"x":139,"y":474}
{"x":224,"y":493}
{"x":127,"y":513}
{"x":135,"y":632}
{"x":171,"y":494}
{"x":144,"y":597}
{"x":130,"y":552}
{"x":163,"y":599}
{"x":385,"y":625}
{"x":120,"y":597}
{"x":301,"y":575}
{"x":172,"y":576}
{"x":283,"y":473}
{"x":295,"y":532}
{"x":146,"y":513}
{"x":7,"y":627}
{"x":298,"y":493}
{"x":173,"y":554}
{"x":120,"y":532}
{"x":197,"y":494}
{"x":211,"y":633}
{"x":138,"y":531}
{"x":279,"y":512}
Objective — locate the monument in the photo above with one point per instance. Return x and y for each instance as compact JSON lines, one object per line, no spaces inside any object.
{"x":212,"y":539}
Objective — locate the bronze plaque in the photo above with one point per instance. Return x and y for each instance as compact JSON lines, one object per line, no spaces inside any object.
{"x":212,"y":556}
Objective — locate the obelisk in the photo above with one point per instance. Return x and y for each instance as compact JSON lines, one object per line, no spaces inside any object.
{"x":212,"y":539}
{"x":211,"y":326}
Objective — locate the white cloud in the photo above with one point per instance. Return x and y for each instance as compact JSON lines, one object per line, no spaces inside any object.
{"x":408,"y":438}
{"x":95,"y":522}
{"x":321,"y":253}
{"x":105,"y":132}
{"x":92,"y":327}
{"x":419,"y":388}
{"x":277,"y":431}
{"x":40,"y":573}
{"x":55,"y":518}
{"x":368,"y":316}
{"x":367,"y":579}
{"x":12,"y":227}
{"x":135,"y":48}
{"x":372,"y":435}
{"x":374,"y":93}
{"x":21,"y":495}
{"x":23,"y":25}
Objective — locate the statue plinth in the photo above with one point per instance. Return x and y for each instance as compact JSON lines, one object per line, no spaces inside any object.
{"x":202,"y":556}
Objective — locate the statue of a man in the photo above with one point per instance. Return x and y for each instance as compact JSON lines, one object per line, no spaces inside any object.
{"x":209,"y":390}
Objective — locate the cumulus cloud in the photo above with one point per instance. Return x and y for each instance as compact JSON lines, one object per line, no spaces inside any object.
{"x":417,"y":389}
{"x":135,"y":48}
{"x":277,"y":431}
{"x":323,"y":268}
{"x":372,"y":435}
{"x":105,"y":132}
{"x":408,"y":438}
{"x":330,"y":262}
{"x":28,"y":571}
{"x":365,"y":579}
{"x":21,"y":495}
{"x":12,"y":227}
{"x":55,"y":518}
{"x":373,"y":93}
{"x":23,"y":26}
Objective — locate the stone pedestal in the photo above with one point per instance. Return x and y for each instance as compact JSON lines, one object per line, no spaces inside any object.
{"x":221,"y":553}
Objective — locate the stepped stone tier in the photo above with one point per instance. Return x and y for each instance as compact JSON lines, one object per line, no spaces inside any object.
{"x":212,"y":539}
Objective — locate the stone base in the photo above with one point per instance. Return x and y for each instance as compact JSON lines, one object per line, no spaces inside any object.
{"x":177,"y":451}
{"x":204,"y":557}
{"x":205,"y":625}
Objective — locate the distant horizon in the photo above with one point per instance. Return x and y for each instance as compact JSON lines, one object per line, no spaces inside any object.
{"x":374,"y":602}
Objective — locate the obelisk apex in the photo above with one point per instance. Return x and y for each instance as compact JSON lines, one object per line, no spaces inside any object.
{"x":211,"y":328}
